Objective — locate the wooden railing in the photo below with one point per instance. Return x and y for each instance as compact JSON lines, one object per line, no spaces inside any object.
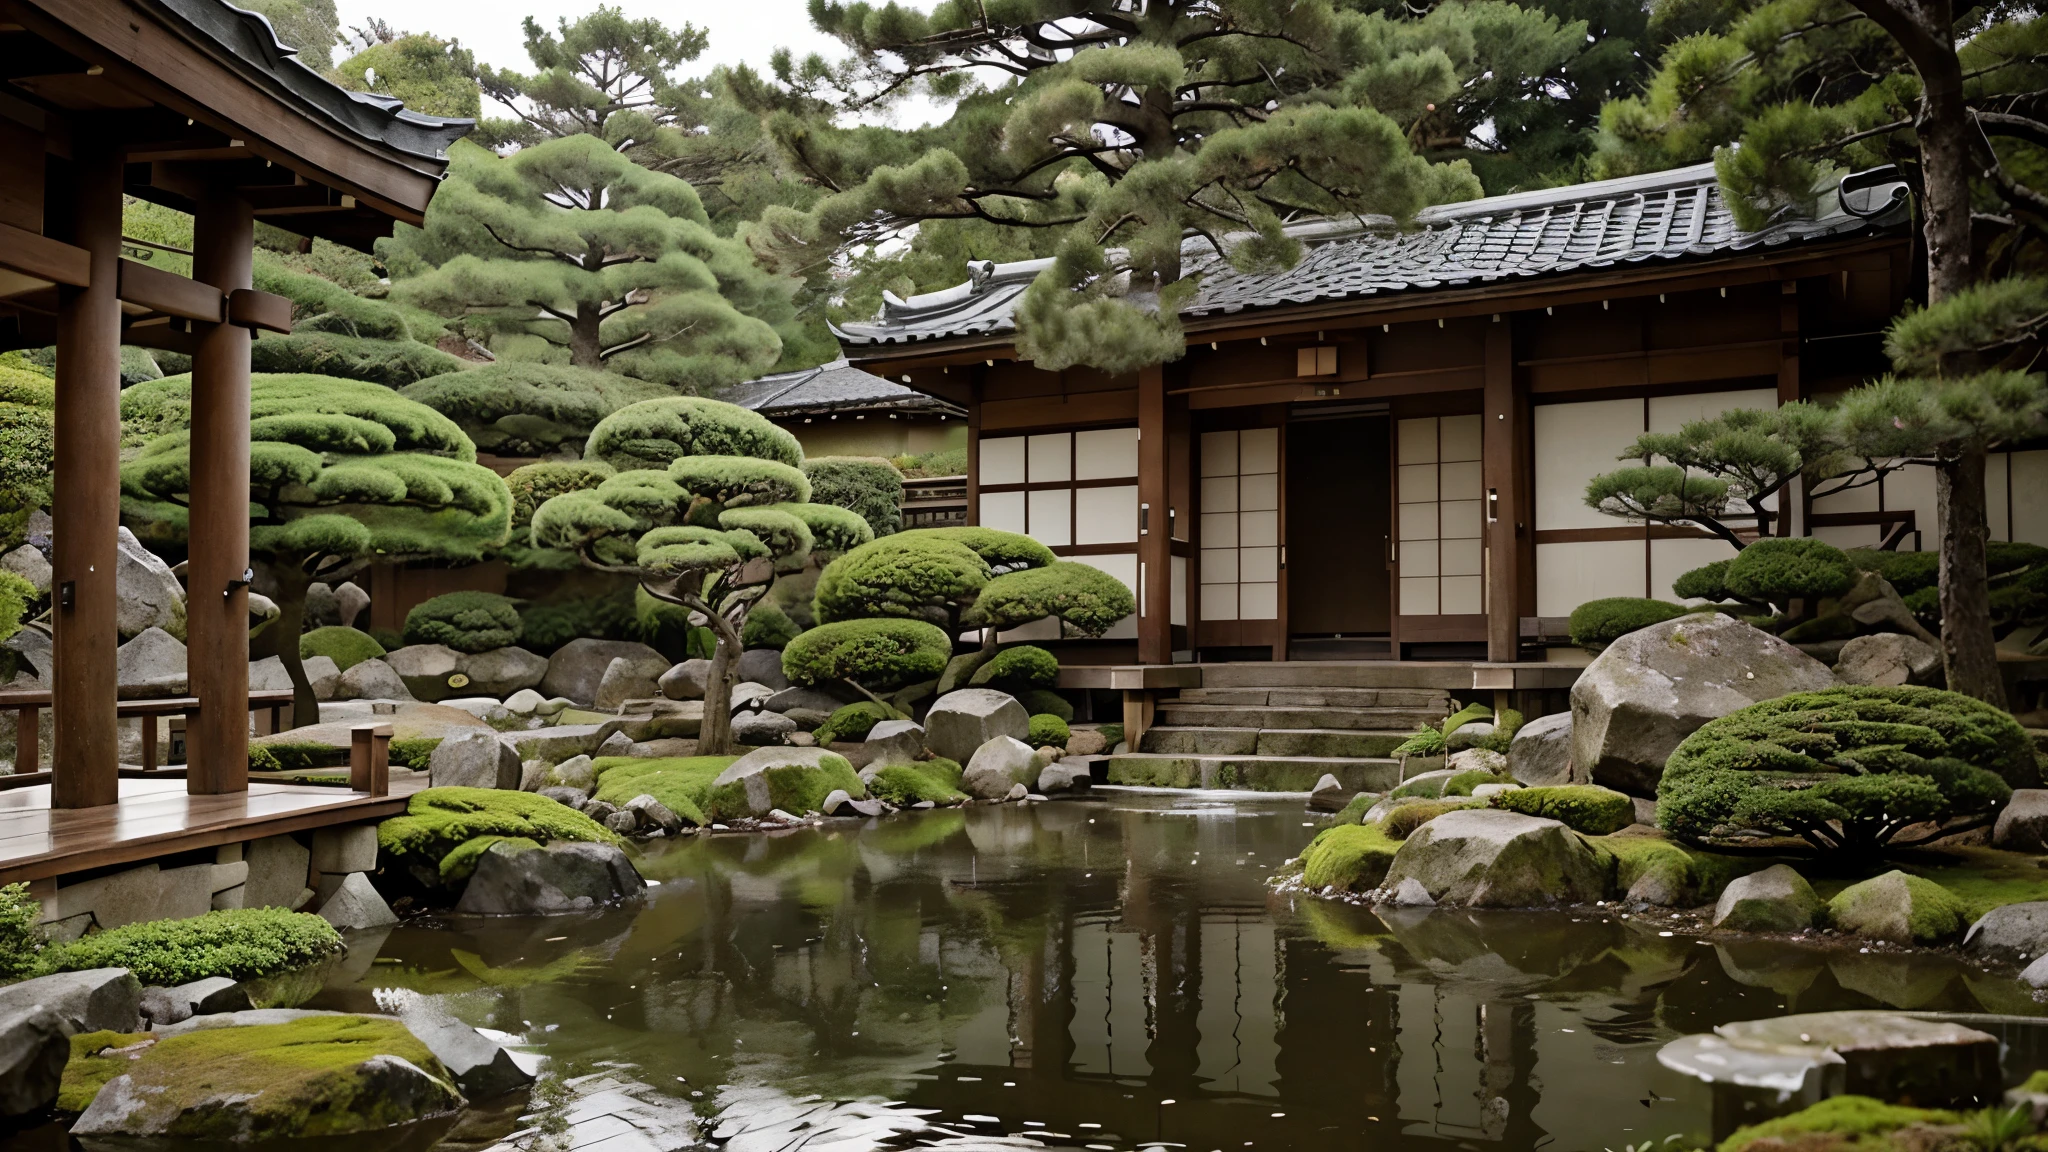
{"x":27,"y":705}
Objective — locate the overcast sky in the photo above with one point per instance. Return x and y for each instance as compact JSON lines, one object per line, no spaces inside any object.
{"x":742,"y":31}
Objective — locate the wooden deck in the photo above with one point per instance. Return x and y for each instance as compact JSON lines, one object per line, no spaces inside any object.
{"x":156,"y":817}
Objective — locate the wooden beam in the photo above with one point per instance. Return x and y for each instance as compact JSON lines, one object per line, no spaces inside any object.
{"x":217,"y":599}
{"x":1502,"y":431}
{"x":1155,"y":566}
{"x":171,"y":294}
{"x":44,"y":258}
{"x":260,"y":310}
{"x":84,"y":759}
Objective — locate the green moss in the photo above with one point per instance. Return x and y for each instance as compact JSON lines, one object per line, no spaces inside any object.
{"x":1857,"y":1122}
{"x":1402,"y":821}
{"x":1935,"y":914}
{"x":1351,"y":857}
{"x":1353,"y":812}
{"x":1025,"y":666}
{"x":852,"y":722}
{"x":1047,"y":729}
{"x":1046,"y":702}
{"x":1154,"y":772}
{"x":905,"y":784}
{"x":21,"y":937}
{"x":297,"y":755}
{"x":347,"y":647}
{"x":239,"y":943}
{"x":458,"y":865}
{"x":294,"y":1080}
{"x":464,"y":621}
{"x":682,"y":783}
{"x":1586,"y":808}
{"x":438,"y":820}
{"x":415,"y":752}
{"x":1700,"y":876}
{"x":1464,"y":782}
{"x":797,"y":788}
{"x":92,"y":1064}
{"x":1598,"y":623}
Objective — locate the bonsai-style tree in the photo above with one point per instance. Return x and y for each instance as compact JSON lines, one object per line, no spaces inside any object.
{"x":1084,"y":598}
{"x":604,"y":76}
{"x":915,"y":575}
{"x":465,"y":621}
{"x":340,"y":473}
{"x":869,"y":485}
{"x":336,"y":332}
{"x":1773,"y":575}
{"x":709,"y":509}
{"x":1847,"y":769}
{"x":573,"y":249}
{"x":520,"y":408}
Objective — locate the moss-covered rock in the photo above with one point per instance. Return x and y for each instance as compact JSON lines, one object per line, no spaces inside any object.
{"x":347,"y":647}
{"x":1586,"y":808}
{"x":1047,"y":729}
{"x":1349,"y":857}
{"x":238,"y":943}
{"x":906,"y":784}
{"x":1777,"y":899}
{"x":1658,"y":871}
{"x":791,"y":779}
{"x":1899,"y":907}
{"x":437,"y":821}
{"x":315,"y":1076}
{"x":1490,"y":858}
{"x":1847,"y":1124}
{"x":682,"y":783}
{"x":852,"y":722}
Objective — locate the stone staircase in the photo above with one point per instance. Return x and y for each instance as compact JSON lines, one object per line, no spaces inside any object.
{"x":1281,"y":727}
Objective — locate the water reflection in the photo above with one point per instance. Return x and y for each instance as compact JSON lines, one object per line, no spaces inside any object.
{"x":1116,"y":972}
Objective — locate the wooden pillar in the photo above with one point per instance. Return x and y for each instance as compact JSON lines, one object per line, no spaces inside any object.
{"x":1155,"y":544}
{"x":1504,"y":484}
{"x":87,"y":504}
{"x":1794,"y":495}
{"x":217,"y":601}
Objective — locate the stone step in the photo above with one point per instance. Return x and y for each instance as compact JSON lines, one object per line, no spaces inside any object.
{"x":1243,"y":741}
{"x":1256,"y":773}
{"x":1280,"y":716}
{"x":1447,"y":676}
{"x":1435,"y":700}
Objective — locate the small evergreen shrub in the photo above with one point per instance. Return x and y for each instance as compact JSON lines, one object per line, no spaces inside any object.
{"x":1047,"y":729}
{"x":347,"y":647}
{"x":768,"y":627}
{"x":1046,"y":701}
{"x":21,"y":934}
{"x":1025,"y":666}
{"x":238,"y":943}
{"x":414,"y":752}
{"x":1586,"y":808}
{"x":852,"y":722}
{"x":875,"y":654}
{"x":1113,"y":733}
{"x":1777,"y":570}
{"x":389,"y":639}
{"x":1598,"y":623}
{"x":868,"y":485}
{"x":545,"y":627}
{"x":17,"y":596}
{"x":464,"y":621}
{"x":1707,"y":582}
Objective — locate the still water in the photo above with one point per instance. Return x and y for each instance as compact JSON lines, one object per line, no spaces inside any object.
{"x":1105,"y":974}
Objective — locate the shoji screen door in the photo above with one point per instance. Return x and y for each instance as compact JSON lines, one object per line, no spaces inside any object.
{"x":1240,"y":537}
{"x":1440,"y":522}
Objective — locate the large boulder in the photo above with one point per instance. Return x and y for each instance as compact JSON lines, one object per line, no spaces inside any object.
{"x":761,"y":728}
{"x":1888,"y":658}
{"x":1540,"y":755}
{"x":999,"y":765}
{"x":685,"y":681}
{"x":578,"y":667}
{"x":1874,"y":603}
{"x":35,"y":1044}
{"x":502,"y":671}
{"x":427,"y":670}
{"x":151,"y":665}
{"x":1897,"y":907}
{"x":1655,"y":686}
{"x":371,"y":680}
{"x":893,"y":742}
{"x":961,"y":722}
{"x":29,"y":563}
{"x":356,"y":905}
{"x":1776,"y":899}
{"x":481,"y":1067}
{"x":514,"y":879}
{"x":93,"y":1000}
{"x":323,"y":675}
{"x":146,"y":594}
{"x":2011,"y":932}
{"x":763,"y":666}
{"x":625,"y":679}
{"x":1491,"y":858}
{"x":267,"y":675}
{"x":349,"y":603}
{"x":2023,"y":825}
{"x":473,"y":760}
{"x":792,"y":779}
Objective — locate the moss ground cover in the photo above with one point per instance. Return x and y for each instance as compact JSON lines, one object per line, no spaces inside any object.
{"x":240,"y":944}
{"x":439,"y":820}
{"x":1856,"y":1123}
{"x":683,"y":783}
{"x":1350,"y":857}
{"x":907,"y":784}
{"x":1586,"y":808}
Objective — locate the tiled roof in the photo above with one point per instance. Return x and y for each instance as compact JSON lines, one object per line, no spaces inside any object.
{"x":249,"y":38}
{"x":833,"y":387}
{"x":1661,"y":216}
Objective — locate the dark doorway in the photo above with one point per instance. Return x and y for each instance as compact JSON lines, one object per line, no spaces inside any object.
{"x":1339,"y":513}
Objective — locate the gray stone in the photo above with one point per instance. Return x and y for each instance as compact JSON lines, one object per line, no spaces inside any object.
{"x":685,"y":681}
{"x":562,"y":877}
{"x":162,"y":1006}
{"x":2011,"y":931}
{"x":599,"y":810}
{"x":350,"y":848}
{"x":781,"y":817}
{"x":1655,"y":686}
{"x":371,"y":680}
{"x":1410,"y":893}
{"x":1061,"y":776}
{"x":807,"y":720}
{"x":532,"y":774}
{"x":1469,"y":735}
{"x":1429,"y":783}
{"x":278,"y":867}
{"x":752,"y":771}
{"x":1874,"y":603}
{"x":763,"y":666}
{"x":653,"y":813}
{"x":624,"y":679}
{"x":1482,"y":791}
{"x":1776,"y":899}
{"x":578,"y":668}
{"x":616,"y":744}
{"x":151,"y":665}
{"x":750,"y":696}
{"x":125,"y":897}
{"x":961,"y":722}
{"x":576,"y":772}
{"x":1477,"y":760}
{"x":1899,"y":908}
{"x":146,"y":594}
{"x":426,"y":670}
{"x":1484,"y":857}
{"x":502,"y":671}
{"x":894,"y":742}
{"x":1888,"y":658}
{"x":323,"y":675}
{"x":268,"y":675}
{"x":835,"y":800}
{"x":1329,"y":794}
{"x":320,"y":611}
{"x":481,"y":1067}
{"x":34,"y":646}
{"x":761,"y":728}
{"x":29,"y":564}
{"x":571,"y":797}
{"x":34,"y":1047}
{"x":93,"y":1000}
{"x":1540,"y":755}
{"x":205,"y":997}
{"x":812,"y":699}
{"x":524,"y":702}
{"x":623,"y":822}
{"x":403,"y":1092}
{"x":2023,"y":825}
{"x":996,"y":766}
{"x":872,"y":807}
{"x":1886,"y":1055}
{"x":357,"y":905}
{"x":350,"y":601}
{"x":665,"y":748}
{"x":564,"y":741}
{"x":184,"y":892}
{"x":474,"y":760}
{"x":801,"y":739}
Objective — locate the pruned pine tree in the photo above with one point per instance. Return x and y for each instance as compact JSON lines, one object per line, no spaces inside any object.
{"x":341,"y":473}
{"x":1796,"y":93}
{"x":603,"y":75}
{"x":432,"y":75}
{"x":601,"y":262}
{"x":1143,"y":135}
{"x":708,"y":506}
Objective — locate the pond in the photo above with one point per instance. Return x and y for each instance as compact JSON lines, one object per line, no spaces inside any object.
{"x":1105,"y":974}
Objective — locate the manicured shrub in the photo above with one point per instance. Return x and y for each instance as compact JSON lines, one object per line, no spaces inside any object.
{"x":1778,"y":570}
{"x":1906,"y":572}
{"x":917,"y":574}
{"x":347,"y":647}
{"x":868,"y":485}
{"x":1598,"y":623}
{"x":238,"y":943}
{"x":545,"y":627}
{"x":1586,"y":808}
{"x":389,"y":639}
{"x":1046,"y":701}
{"x":1025,"y":666}
{"x":768,"y":626}
{"x":1081,"y":596}
{"x":1845,"y":768}
{"x":852,"y":722}
{"x":906,"y":784}
{"x":533,"y":485}
{"x":437,"y":820}
{"x":1001,"y":551}
{"x":1047,"y":729}
{"x":523,"y":408}
{"x":873,"y":653}
{"x":392,"y":363}
{"x":21,"y":934}
{"x":653,"y":433}
{"x":938,"y":462}
{"x":464,"y":621}
{"x":415,"y":752}
{"x":1707,"y":582}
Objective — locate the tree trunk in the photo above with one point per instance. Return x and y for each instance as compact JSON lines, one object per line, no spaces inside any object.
{"x":585,"y":349}
{"x":292,"y":583}
{"x":714,"y":737}
{"x":1968,"y":655}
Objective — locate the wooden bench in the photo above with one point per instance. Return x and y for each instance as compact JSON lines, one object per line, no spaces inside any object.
{"x":28,"y":705}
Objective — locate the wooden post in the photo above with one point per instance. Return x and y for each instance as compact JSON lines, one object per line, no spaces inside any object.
{"x":87,"y":506}
{"x":28,"y":733}
{"x":1504,"y":481}
{"x":1794,"y":494}
{"x":217,"y":599}
{"x":369,"y":759}
{"x":1155,"y":542}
